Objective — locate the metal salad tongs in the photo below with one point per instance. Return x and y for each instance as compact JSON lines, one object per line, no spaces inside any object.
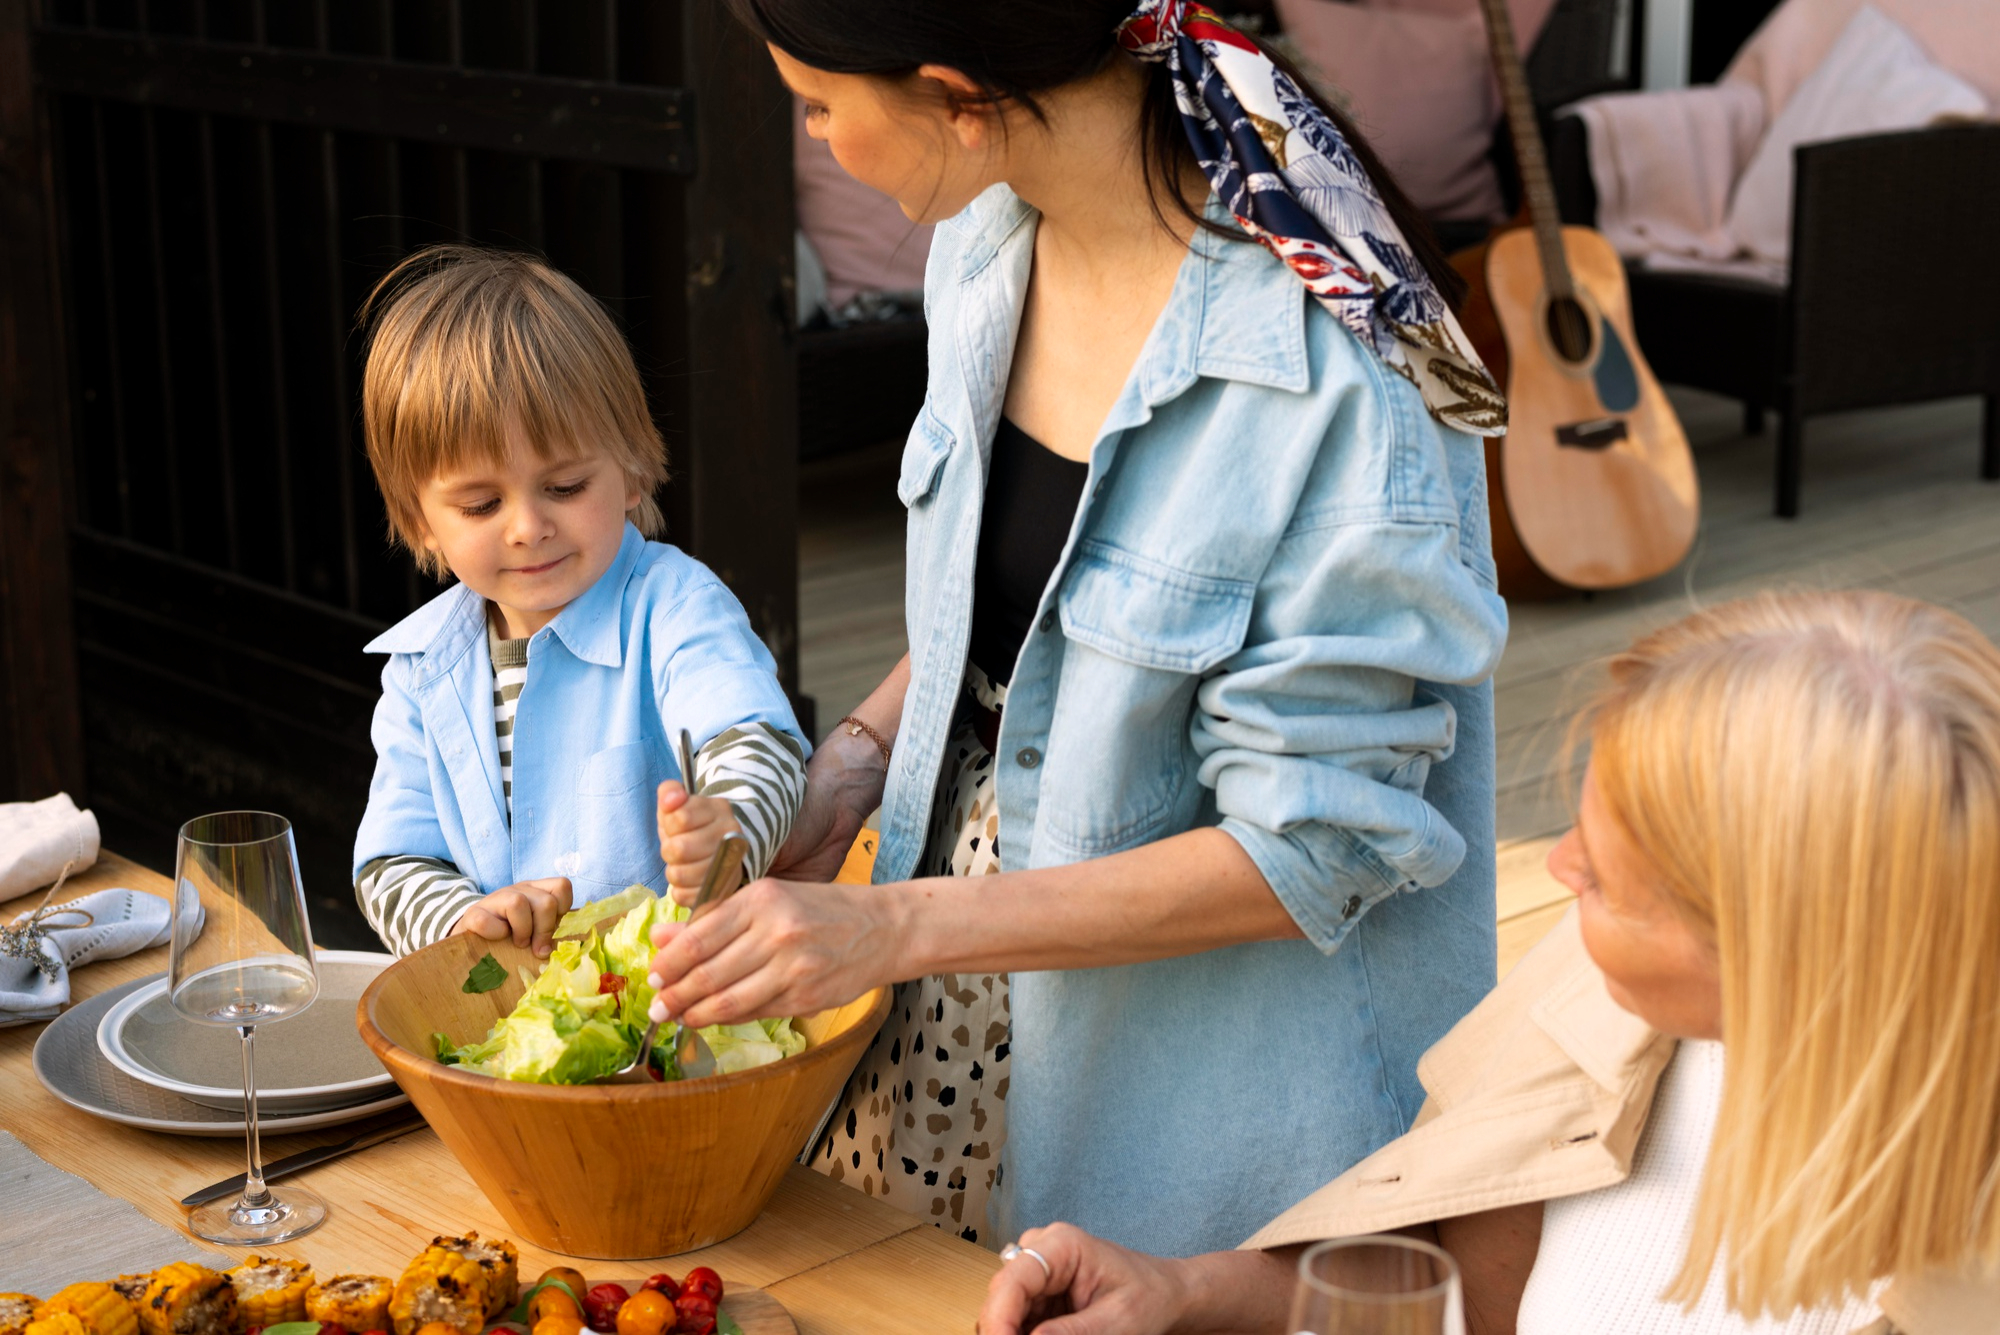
{"x":725,"y":872}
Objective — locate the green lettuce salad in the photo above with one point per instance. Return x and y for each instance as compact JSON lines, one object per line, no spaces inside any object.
{"x":584,"y":1015}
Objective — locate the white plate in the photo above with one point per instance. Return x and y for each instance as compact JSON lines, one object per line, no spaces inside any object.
{"x":144,"y":1037}
{"x":69,"y":1065}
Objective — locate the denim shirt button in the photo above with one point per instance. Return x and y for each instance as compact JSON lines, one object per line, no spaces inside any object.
{"x":1028,"y":757}
{"x":1048,"y":622}
{"x":1351,"y":907}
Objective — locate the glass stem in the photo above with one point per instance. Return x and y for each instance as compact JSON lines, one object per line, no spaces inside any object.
{"x":255,"y":1194}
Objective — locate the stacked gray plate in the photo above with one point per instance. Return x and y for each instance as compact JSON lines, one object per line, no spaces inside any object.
{"x":127,"y":1055}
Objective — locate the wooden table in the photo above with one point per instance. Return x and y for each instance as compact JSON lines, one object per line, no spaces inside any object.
{"x":836,"y":1259}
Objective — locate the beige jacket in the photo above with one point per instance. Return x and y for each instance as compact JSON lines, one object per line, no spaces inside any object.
{"x":1541,"y":1092}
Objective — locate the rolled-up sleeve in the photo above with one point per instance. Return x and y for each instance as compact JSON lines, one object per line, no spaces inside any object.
{"x":1317,"y":736}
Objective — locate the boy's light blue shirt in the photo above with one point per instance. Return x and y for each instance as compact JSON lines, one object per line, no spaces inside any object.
{"x":657,"y":644}
{"x":1275,"y":613}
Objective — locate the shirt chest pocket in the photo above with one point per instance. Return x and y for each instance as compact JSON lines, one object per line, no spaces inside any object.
{"x":924,"y":458}
{"x":1121,"y":753}
{"x":617,"y":843}
{"x":1152,"y":615}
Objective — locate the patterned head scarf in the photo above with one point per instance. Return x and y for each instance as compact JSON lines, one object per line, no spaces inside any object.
{"x":1294,"y":184}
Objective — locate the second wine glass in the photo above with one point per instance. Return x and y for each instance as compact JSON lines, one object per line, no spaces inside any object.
{"x":1383,"y":1285}
{"x":250,"y":964}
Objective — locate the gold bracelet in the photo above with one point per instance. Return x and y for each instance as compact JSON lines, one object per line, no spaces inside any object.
{"x":856,"y":728}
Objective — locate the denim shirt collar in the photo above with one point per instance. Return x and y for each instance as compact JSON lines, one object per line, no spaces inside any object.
{"x":1235,"y":312}
{"x":589,"y":627}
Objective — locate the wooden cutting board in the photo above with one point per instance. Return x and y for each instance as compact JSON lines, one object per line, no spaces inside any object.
{"x":758,"y":1312}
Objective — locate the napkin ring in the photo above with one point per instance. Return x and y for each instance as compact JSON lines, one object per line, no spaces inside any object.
{"x":25,"y":940}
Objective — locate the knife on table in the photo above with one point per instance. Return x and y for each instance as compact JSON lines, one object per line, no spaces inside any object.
{"x":319,"y":1154}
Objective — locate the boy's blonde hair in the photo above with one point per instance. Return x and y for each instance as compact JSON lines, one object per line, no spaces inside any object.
{"x":466,"y":342}
{"x":1816,"y":779}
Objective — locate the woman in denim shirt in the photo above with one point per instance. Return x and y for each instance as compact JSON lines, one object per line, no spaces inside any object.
{"x":1243,"y":777}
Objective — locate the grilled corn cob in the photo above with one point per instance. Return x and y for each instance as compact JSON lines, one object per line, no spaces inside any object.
{"x":441,"y":1285}
{"x":101,"y":1308}
{"x":56,"y":1323}
{"x":499,"y":1262}
{"x":186,"y":1299}
{"x":270,"y":1290}
{"x":355,"y":1302}
{"x":16,"y":1311}
{"x":131,"y":1288}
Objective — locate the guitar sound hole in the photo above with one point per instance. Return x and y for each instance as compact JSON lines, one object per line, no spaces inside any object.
{"x":1569,"y":329}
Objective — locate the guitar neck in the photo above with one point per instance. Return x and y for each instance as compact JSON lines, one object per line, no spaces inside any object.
{"x":1529,"y":154}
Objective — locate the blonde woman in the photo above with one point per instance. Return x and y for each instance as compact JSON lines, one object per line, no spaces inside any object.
{"x":1788,"y":851}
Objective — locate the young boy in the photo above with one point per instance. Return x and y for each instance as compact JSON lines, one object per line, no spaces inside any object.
{"x":523,"y":747}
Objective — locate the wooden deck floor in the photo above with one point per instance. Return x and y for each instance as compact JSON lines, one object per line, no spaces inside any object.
{"x":1891,"y":501}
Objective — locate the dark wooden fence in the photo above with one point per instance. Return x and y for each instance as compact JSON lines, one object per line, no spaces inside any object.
{"x":194,"y":198}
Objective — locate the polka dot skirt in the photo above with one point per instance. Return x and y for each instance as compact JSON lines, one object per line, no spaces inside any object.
{"x":923,"y":1119}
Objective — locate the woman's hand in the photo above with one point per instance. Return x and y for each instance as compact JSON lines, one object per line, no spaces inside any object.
{"x":1094,"y":1287}
{"x":777,"y":948}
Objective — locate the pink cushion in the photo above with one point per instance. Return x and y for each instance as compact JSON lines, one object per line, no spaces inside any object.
{"x":1417,"y":77}
{"x":1963,"y":36}
{"x":862,"y":237}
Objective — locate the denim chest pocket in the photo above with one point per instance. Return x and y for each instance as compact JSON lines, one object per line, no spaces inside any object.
{"x":1153,"y":615}
{"x":616,"y":842}
{"x":924,"y":457}
{"x":1121,"y":755}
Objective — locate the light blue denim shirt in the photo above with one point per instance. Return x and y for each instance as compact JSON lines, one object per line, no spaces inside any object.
{"x":1275,"y":612}
{"x":657,"y":643}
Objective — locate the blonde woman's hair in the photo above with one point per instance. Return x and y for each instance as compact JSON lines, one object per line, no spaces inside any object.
{"x":466,"y":344}
{"x":1816,"y":779}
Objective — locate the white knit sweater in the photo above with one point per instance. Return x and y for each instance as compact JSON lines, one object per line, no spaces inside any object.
{"x":1607,"y":1255}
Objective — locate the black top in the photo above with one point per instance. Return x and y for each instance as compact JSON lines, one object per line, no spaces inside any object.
{"x":1031,"y":496}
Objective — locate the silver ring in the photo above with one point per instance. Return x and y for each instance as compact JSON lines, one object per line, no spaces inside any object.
{"x":1014,"y":1249}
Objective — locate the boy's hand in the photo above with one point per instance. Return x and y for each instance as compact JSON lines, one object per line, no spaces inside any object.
{"x":691,"y":829}
{"x":528,"y":912}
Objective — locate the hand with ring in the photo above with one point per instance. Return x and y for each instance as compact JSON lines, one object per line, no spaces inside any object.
{"x":1060,"y":1280}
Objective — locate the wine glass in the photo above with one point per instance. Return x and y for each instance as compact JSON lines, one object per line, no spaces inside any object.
{"x":252,"y":964}
{"x":1383,"y":1285}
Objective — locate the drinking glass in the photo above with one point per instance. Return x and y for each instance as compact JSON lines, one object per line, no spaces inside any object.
{"x":1386,"y":1285}
{"x":252,"y":964}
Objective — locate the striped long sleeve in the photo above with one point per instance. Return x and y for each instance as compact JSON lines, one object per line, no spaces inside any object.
{"x":762,"y":773}
{"x":412,"y":902}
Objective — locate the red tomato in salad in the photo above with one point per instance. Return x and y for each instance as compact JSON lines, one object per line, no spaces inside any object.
{"x":703,"y":1280}
{"x":601,"y":1304}
{"x":611,"y":984}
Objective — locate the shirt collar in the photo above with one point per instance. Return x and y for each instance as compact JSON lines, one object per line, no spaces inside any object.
{"x":590,"y":627}
{"x":1235,"y":313}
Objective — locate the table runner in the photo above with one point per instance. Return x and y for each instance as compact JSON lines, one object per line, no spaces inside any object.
{"x":55,"y":1229}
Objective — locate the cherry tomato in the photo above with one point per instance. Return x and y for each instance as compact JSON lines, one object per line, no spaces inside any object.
{"x":601,"y":1305}
{"x":663,"y":1283}
{"x":558,"y":1323}
{"x":696,"y":1312}
{"x":552,"y":1301}
{"x":568,"y":1275}
{"x":703,"y":1280}
{"x":611,"y":984}
{"x":647,"y":1312}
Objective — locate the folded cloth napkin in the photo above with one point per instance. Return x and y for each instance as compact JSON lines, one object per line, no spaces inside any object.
{"x":118,"y":923}
{"x":37,"y":838}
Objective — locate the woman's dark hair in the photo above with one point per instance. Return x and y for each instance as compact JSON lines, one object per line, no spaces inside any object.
{"x":1029,"y":47}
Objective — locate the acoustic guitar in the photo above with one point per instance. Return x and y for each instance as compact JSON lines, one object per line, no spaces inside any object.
{"x":1593,"y":486}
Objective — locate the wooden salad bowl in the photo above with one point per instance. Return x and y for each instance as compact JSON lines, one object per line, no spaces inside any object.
{"x":609,"y":1171}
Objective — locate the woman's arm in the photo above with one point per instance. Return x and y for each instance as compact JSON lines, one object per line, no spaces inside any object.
{"x":1495,"y":1251}
{"x":779,"y":949}
{"x":844,"y":782}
